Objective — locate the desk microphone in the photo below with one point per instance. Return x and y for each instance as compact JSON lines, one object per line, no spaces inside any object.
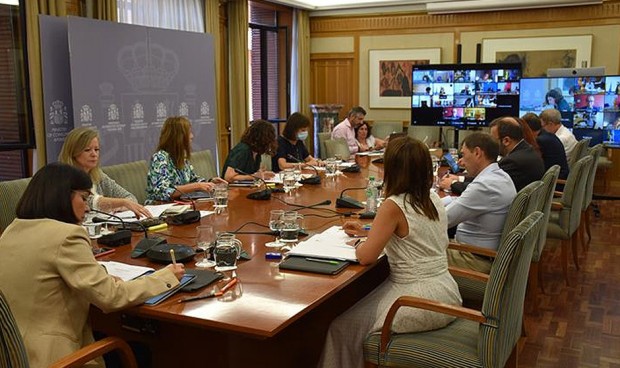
{"x":262,"y":195}
{"x":119,"y":237}
{"x":315,"y":179}
{"x":348,"y":202}
{"x":189,"y":198}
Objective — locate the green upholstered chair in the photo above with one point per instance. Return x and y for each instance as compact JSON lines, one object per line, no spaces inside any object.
{"x":477,"y":338}
{"x":566,"y":213}
{"x":337,"y":147}
{"x":131,"y":176}
{"x":203,"y":164}
{"x":472,"y":290}
{"x":580,"y":151}
{"x":595,"y":153}
{"x":265,"y":162}
{"x":10,"y":193}
{"x":543,"y":205}
{"x":323,"y":136}
{"x":383,"y":129}
{"x":13,"y":352}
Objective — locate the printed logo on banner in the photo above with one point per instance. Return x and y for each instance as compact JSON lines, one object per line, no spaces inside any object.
{"x":86,"y":115}
{"x":183,"y":109}
{"x":58,"y":113}
{"x":204,"y":110}
{"x":137,"y":112}
{"x":162,"y":111}
{"x":148,"y":68}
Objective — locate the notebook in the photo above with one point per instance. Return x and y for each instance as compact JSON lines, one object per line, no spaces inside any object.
{"x":324,"y":266}
{"x":196,"y":195}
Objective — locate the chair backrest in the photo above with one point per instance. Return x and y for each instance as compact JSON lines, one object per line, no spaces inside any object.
{"x":203,"y":164}
{"x":382,"y":129}
{"x":544,"y":205}
{"x":595,"y":153}
{"x":520,"y":206}
{"x":572,"y":197}
{"x":580,"y":151}
{"x":337,"y":147}
{"x":265,"y":162}
{"x":12,"y":349}
{"x":505,"y":293}
{"x":10,"y":193}
{"x":131,"y":176}
{"x":323,"y":136}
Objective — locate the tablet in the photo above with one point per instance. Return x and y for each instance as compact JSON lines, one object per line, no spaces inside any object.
{"x":187,"y":278}
{"x":454,"y":167}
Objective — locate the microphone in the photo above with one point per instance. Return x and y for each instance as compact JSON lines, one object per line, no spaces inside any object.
{"x":188,"y":197}
{"x":119,"y":237}
{"x":262,"y":195}
{"x":315,"y":179}
{"x":348,"y":202}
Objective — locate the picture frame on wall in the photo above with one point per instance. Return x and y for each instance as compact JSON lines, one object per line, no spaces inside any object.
{"x":537,"y":54}
{"x":390,"y":75}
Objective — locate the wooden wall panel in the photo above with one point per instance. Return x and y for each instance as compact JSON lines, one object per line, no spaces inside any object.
{"x":331,"y":79}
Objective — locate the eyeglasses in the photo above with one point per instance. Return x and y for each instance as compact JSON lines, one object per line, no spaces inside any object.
{"x":84,"y":194}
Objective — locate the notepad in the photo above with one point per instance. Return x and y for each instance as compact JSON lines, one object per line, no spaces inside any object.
{"x":304,"y":264}
{"x":330,"y":244}
{"x":124,"y":271}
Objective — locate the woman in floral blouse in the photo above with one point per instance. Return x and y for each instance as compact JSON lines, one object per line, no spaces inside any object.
{"x":170,"y":173}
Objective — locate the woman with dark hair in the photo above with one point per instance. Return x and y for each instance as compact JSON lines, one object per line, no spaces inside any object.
{"x":48,"y":272}
{"x":291,"y":147}
{"x":244,"y":159}
{"x":171,"y":174}
{"x":81,"y":149}
{"x":365,"y":140}
{"x":410,"y":227}
{"x":555,"y":100}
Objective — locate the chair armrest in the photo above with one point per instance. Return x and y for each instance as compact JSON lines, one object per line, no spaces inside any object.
{"x":431,"y":305}
{"x":472,"y":249}
{"x":556,"y":206}
{"x":470,"y":274}
{"x":97,"y":349}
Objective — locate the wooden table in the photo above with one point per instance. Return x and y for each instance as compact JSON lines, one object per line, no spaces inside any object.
{"x":269,"y":320}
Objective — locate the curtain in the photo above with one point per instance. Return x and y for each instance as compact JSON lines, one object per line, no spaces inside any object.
{"x":212,"y":26}
{"x":238,"y":67}
{"x":33,"y":9}
{"x":300,"y":62}
{"x":106,"y":10}
{"x":185,"y":15}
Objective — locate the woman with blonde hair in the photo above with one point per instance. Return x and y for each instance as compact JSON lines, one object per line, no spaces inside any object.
{"x":170,"y":173}
{"x":81,"y":150}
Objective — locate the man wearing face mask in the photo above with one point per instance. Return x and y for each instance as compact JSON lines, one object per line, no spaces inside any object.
{"x":291,"y":147}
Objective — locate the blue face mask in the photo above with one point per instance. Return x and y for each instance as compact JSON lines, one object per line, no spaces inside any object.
{"x":302,"y":136}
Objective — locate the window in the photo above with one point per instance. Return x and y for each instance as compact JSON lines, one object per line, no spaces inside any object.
{"x":16,"y":128}
{"x":269,"y":61}
{"x":184,"y":15}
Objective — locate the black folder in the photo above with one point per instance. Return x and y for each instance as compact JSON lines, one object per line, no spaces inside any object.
{"x":203,"y":278}
{"x":324,"y":266}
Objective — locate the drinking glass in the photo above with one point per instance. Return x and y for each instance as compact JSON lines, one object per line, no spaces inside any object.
{"x":275,"y":220}
{"x":435,"y":170}
{"x":227,"y":251}
{"x":290,"y":227}
{"x":330,"y":167}
{"x":220,"y":196}
{"x":205,"y":240}
{"x":288,"y":179}
{"x":297,"y":172}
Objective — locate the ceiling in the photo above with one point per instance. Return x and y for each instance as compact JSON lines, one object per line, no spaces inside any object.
{"x":352,"y":7}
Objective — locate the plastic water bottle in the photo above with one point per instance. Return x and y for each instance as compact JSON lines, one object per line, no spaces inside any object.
{"x":371,"y":195}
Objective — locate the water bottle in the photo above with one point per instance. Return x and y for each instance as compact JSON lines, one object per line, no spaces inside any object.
{"x":371,"y":195}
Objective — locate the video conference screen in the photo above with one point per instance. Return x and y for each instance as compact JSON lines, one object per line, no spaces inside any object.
{"x":464,"y":95}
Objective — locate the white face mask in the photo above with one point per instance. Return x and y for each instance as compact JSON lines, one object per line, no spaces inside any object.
{"x":302,"y":136}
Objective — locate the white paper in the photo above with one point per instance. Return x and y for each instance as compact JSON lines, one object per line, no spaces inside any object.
{"x":124,"y":271}
{"x":156,"y":211}
{"x":330,"y":244}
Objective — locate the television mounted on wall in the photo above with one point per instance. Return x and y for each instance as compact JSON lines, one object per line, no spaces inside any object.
{"x":464,"y":95}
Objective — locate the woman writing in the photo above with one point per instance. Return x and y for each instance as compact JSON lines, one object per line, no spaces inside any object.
{"x":48,"y":272}
{"x":410,"y":227}
{"x":365,"y":140}
{"x":170,"y":172}
{"x":81,"y":149}
{"x":291,"y":147}
{"x":245,"y":158}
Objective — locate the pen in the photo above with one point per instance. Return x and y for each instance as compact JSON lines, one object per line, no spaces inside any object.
{"x":174,"y":259}
{"x":322,"y":260}
{"x":212,"y":294}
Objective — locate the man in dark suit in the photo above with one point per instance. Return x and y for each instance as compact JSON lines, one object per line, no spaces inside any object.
{"x":551,"y":147}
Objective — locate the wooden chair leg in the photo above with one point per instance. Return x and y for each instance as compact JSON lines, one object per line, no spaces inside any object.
{"x":564,"y":251}
{"x":581,"y":231}
{"x":588,"y":225}
{"x":540,"y":276}
{"x":513,"y":358}
{"x":573,"y":242}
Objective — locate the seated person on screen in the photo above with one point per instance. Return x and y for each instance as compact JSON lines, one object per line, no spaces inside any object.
{"x":555,"y":100}
{"x":171,"y":173}
{"x":480,"y":211}
{"x":551,"y":148}
{"x":81,"y":149}
{"x":291,"y":147}
{"x":244,"y":160}
{"x":551,"y":121}
{"x":410,"y":227}
{"x":365,"y":140}
{"x":346,"y":128}
{"x":48,"y":272}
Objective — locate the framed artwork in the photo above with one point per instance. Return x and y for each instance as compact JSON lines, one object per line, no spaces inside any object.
{"x":537,"y":54}
{"x":390,"y":75}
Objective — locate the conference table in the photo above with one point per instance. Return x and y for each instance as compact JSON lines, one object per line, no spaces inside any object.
{"x":271,"y":318}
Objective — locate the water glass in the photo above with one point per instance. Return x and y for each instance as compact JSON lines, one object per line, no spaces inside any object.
{"x":330,"y":167}
{"x":275,"y":220}
{"x":93,"y":229}
{"x":436,"y":165}
{"x":227,"y":251}
{"x":297,"y":172}
{"x":220,"y":196}
{"x":288,"y":179}
{"x":205,"y":240}
{"x":290,"y":227}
